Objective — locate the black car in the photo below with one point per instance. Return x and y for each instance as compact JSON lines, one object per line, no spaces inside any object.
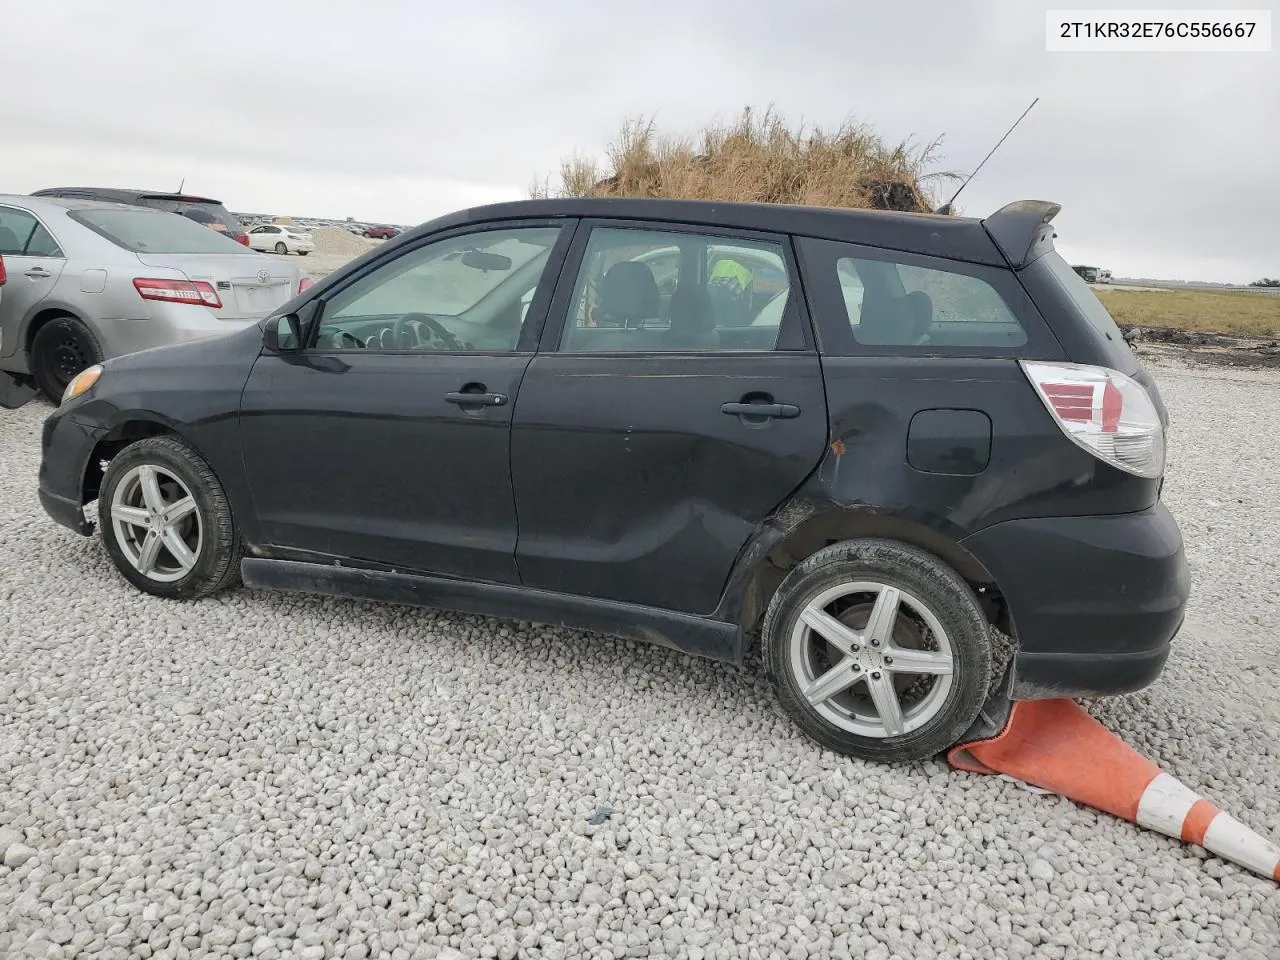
{"x":212,"y":213}
{"x":931,"y":429}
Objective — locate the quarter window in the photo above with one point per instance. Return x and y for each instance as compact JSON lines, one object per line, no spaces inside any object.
{"x":903,"y":305}
{"x":673,"y":292}
{"x":467,"y":293}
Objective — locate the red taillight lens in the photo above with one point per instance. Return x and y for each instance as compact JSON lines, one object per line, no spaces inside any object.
{"x":179,"y":291}
{"x":1109,"y":414}
{"x":305,"y":284}
{"x":242,"y":238}
{"x":3,"y":275}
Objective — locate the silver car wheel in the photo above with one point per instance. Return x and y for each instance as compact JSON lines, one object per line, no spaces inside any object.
{"x":872,"y":659}
{"x":156,"y":523}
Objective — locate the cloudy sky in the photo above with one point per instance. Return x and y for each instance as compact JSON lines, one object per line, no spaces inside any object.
{"x":399,"y":110}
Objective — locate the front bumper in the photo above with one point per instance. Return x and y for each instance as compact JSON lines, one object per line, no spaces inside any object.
{"x":1095,"y":601}
{"x":66,"y":446}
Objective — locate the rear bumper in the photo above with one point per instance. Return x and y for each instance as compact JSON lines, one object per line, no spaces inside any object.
{"x":169,"y":323}
{"x":1095,"y":601}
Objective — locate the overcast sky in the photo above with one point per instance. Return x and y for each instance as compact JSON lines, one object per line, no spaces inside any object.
{"x":1166,"y":165}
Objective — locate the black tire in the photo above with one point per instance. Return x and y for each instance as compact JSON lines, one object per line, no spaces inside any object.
{"x":303,"y":253}
{"x":217,"y":563}
{"x":926,"y":579}
{"x":282,"y":249}
{"x":60,"y":349}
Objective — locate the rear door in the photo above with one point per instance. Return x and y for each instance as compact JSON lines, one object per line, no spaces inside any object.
{"x":651,"y":437}
{"x":33,"y":262}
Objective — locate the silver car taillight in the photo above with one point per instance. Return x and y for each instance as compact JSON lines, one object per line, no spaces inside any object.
{"x":1109,"y":414}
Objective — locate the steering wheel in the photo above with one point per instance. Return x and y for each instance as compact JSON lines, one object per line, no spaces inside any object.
{"x":344,"y":337}
{"x":438,"y":330}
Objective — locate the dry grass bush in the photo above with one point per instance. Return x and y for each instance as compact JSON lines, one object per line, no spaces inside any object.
{"x":758,"y":158}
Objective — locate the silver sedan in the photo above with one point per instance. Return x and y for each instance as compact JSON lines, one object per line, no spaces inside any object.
{"x":88,"y":280}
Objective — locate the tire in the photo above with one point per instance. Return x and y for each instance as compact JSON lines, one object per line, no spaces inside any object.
{"x":60,"y":349}
{"x":939,"y":623}
{"x":208,"y":531}
{"x":282,"y":249}
{"x":303,"y":253}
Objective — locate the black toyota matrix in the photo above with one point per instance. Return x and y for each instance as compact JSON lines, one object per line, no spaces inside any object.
{"x":864,"y":440}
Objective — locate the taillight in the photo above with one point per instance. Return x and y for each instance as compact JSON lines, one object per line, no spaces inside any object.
{"x":242,"y":238}
{"x":1110,"y":415}
{"x":305,"y":284}
{"x":3,"y":275}
{"x":179,"y":291}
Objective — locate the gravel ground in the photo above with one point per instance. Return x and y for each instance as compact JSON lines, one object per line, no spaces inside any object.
{"x":270,"y":776}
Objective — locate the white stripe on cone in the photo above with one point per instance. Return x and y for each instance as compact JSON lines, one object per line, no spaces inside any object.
{"x":1164,"y":807}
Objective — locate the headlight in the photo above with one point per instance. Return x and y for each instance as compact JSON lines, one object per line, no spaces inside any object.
{"x":81,"y":382}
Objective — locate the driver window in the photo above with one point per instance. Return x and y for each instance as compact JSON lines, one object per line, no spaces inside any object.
{"x":467,"y":293}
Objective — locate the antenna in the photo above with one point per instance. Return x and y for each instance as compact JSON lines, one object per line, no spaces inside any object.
{"x":184,"y":183}
{"x":946,"y":207}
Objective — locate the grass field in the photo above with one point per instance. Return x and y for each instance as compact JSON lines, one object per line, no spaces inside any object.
{"x":1242,"y":314}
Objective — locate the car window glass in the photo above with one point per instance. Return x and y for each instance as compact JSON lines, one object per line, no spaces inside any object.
{"x":463,"y":293}
{"x":150,"y":231}
{"x":900,"y":304}
{"x":662,"y":292}
{"x":42,"y":243}
{"x":16,"y":229}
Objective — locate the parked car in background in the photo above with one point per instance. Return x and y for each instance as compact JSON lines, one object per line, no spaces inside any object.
{"x":511,"y":420}
{"x":1087,"y":273}
{"x":359,"y":229}
{"x":211,"y":213}
{"x":281,"y":238}
{"x":99,"y":280}
{"x":381,"y":232}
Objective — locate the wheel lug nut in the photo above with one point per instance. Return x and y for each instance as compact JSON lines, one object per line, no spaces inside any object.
{"x":888,"y":661}
{"x":875,"y":675}
{"x":856,"y":668}
{"x":875,"y":643}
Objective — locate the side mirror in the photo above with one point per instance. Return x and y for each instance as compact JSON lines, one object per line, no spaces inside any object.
{"x":283,"y":334}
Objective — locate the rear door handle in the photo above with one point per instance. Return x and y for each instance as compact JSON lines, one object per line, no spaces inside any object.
{"x":464,"y":399}
{"x":38,"y":273}
{"x":780,"y":411}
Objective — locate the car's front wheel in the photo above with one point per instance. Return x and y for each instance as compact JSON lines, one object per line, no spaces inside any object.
{"x":878,"y":650}
{"x":166,"y":521}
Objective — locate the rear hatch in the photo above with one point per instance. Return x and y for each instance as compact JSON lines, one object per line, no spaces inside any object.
{"x":249,"y":285}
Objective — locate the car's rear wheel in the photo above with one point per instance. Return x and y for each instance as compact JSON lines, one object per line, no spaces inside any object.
{"x":281,"y":248}
{"x":166,"y":521}
{"x":60,"y":349}
{"x":878,"y":650}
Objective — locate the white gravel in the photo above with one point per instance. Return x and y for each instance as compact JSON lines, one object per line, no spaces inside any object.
{"x":277,"y":777}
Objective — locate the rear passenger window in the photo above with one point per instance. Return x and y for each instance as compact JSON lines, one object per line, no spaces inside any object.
{"x":652,"y":291}
{"x":902,"y":305}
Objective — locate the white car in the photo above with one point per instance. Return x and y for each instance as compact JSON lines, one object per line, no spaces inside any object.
{"x":280,"y":238}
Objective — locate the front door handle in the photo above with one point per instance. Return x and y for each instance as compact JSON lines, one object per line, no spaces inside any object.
{"x":780,"y":411}
{"x":465,"y":399}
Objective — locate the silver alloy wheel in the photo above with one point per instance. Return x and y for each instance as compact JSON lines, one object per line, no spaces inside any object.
{"x":872,"y":659}
{"x":156,"y":523}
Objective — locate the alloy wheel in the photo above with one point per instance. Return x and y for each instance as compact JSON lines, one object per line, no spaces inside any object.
{"x":156,"y":523}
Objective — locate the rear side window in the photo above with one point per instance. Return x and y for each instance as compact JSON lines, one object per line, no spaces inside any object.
{"x":150,"y":231}
{"x":883,"y":302}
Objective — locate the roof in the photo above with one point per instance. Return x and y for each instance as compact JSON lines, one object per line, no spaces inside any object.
{"x":64,"y":203}
{"x":128,"y":196}
{"x":959,"y":238}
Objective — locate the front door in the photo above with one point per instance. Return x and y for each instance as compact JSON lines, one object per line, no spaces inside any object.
{"x":33,"y":262}
{"x":387,"y":439}
{"x":654,"y":432}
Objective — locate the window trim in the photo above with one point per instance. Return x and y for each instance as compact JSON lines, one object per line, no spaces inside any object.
{"x":795,"y":330}
{"x":818,"y":260}
{"x":530,"y":330}
{"x":60,"y":255}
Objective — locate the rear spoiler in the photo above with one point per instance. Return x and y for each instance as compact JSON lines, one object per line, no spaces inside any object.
{"x":1022,"y":230}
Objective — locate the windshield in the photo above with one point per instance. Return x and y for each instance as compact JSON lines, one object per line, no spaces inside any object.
{"x":212,"y":214}
{"x":150,"y":231}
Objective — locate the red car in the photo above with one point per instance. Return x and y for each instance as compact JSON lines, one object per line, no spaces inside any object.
{"x":381,"y":233}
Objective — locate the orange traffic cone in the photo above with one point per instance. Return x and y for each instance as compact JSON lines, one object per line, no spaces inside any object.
{"x":1056,"y":745}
